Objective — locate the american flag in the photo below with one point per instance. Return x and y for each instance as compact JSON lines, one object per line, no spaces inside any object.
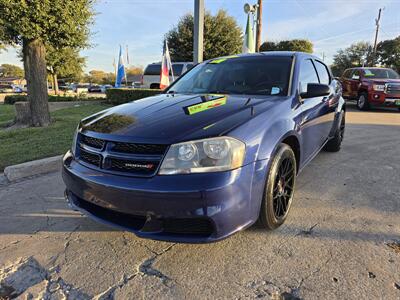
{"x":166,"y":67}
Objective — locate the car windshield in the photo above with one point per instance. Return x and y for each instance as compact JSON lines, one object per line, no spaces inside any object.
{"x":257,"y":75}
{"x":381,"y":73}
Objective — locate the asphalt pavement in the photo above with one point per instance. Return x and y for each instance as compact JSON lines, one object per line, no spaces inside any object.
{"x":341,"y":240}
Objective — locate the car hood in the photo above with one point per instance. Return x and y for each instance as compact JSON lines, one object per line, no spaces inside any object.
{"x":171,"y":118}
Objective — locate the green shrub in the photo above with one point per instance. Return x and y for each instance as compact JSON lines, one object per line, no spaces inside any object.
{"x":119,"y":96}
{"x":11,"y":99}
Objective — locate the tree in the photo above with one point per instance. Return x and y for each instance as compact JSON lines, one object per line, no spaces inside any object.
{"x":7,"y":70}
{"x":222,"y":36}
{"x":357,"y":55}
{"x":64,"y":63}
{"x":34,"y":23}
{"x":288,"y":45}
{"x":389,"y":53}
{"x":100,"y":77}
{"x":134,"y":71}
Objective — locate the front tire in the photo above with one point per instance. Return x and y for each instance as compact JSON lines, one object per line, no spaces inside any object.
{"x":362,"y":102}
{"x":279,"y":188}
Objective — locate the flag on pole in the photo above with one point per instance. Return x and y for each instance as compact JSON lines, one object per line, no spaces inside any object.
{"x":127,"y":55}
{"x":120,"y":70}
{"x":115,"y":67}
{"x":166,"y":67}
{"x":248,"y":43}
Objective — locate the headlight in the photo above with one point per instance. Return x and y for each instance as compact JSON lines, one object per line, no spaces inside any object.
{"x":208,"y":155}
{"x":378,"y":87}
{"x":74,"y":141}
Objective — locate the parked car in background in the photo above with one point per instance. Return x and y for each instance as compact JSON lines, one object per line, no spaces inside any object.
{"x":80,"y":88}
{"x":151,"y":75}
{"x":217,"y":151}
{"x":105,"y":87}
{"x":371,"y":87}
{"x":6,"y":88}
{"x":94,"y":89}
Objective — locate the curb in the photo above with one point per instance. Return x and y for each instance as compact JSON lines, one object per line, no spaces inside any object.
{"x":31,"y":168}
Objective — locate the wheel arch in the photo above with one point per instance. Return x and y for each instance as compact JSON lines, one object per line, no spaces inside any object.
{"x":293,"y":142}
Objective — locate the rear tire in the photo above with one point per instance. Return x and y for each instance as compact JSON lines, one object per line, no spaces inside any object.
{"x":362,"y":102}
{"x":335,"y":143}
{"x":279,"y":188}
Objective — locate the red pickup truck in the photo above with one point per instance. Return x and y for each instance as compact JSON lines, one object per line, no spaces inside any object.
{"x":371,"y":87}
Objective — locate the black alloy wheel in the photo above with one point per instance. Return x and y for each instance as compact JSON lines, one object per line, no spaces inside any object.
{"x":279,"y":191}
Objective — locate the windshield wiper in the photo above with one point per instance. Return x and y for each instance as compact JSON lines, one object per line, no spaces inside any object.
{"x":218,"y":92}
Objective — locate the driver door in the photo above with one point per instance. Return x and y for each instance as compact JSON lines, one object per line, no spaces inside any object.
{"x":313,"y":113}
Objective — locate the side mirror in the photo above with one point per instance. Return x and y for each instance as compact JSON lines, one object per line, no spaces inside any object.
{"x":355,"y":77}
{"x":316,"y":90}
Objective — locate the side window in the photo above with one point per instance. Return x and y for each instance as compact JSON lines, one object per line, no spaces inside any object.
{"x":323,"y":73}
{"x":347,"y":74}
{"x":355,"y":75}
{"x":307,"y":75}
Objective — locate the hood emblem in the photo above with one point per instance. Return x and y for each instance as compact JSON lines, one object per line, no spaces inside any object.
{"x":139,"y":166}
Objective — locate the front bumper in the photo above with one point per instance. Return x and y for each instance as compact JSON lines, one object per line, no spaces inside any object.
{"x":190,"y":208}
{"x":383,"y":99}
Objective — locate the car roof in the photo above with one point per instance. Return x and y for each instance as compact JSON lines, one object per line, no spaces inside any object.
{"x":296,"y":54}
{"x":174,"y":62}
{"x":373,"y":68}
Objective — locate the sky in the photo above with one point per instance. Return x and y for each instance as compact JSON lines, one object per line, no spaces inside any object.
{"x":141,"y":24}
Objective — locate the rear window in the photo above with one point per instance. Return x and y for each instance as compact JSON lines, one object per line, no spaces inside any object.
{"x":153,"y":69}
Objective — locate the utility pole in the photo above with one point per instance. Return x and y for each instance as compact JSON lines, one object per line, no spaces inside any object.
{"x":377,"y":21}
{"x":259,"y":26}
{"x":198,"y":31}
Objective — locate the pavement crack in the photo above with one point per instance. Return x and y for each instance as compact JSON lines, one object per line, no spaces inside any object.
{"x":10,"y":244}
{"x":65,"y":248}
{"x":309,"y":231}
{"x":146,"y":268}
{"x":109,"y":293}
{"x":317,"y":270}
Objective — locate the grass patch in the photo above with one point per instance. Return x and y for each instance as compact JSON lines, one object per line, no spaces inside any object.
{"x":7,"y":114}
{"x":26,"y":144}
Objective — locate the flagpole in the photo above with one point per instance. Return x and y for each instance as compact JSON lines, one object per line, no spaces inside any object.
{"x":169,"y":61}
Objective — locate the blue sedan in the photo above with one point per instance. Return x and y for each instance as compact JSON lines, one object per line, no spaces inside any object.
{"x":219,"y":150}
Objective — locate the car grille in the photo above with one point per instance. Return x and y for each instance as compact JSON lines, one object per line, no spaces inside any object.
{"x":392,"y":89}
{"x":93,"y":159}
{"x":139,"y":148}
{"x":92,"y":142}
{"x":118,"y":157}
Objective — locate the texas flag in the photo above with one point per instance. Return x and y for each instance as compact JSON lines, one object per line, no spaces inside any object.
{"x":120,"y":71}
{"x":165,"y":68}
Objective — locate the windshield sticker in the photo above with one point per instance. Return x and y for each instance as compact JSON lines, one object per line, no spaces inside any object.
{"x":220,"y":60}
{"x":275,"y":90}
{"x":196,"y":108}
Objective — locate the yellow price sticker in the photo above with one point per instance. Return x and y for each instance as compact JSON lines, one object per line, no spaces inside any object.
{"x":194,"y":109}
{"x":222,"y":59}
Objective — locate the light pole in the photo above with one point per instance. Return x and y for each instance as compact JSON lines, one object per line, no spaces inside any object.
{"x":198,"y":31}
{"x":256,"y":10}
